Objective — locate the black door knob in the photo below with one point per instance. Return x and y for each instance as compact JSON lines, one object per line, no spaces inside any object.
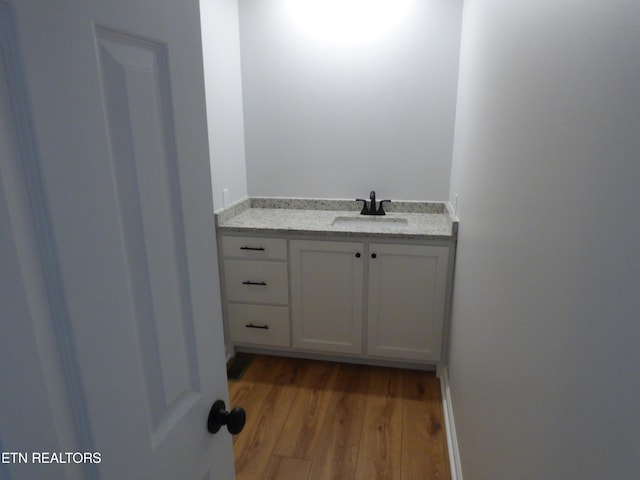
{"x":373,"y":255}
{"x":218,"y":416}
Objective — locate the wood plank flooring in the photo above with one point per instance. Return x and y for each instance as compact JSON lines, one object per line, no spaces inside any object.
{"x":313,"y":420}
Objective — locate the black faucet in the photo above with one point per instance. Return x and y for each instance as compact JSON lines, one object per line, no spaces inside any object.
{"x":371,"y":208}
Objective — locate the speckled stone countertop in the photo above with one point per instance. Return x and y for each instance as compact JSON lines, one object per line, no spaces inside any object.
{"x":406,"y":220}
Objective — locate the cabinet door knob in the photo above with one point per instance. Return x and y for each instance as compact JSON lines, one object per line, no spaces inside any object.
{"x":373,"y":255}
{"x":358,"y":255}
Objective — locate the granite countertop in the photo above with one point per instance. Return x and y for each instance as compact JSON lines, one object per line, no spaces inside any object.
{"x":406,"y":220}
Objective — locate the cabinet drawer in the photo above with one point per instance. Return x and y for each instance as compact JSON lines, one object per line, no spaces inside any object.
{"x":259,"y":324}
{"x":254,"y":247}
{"x":256,"y":282}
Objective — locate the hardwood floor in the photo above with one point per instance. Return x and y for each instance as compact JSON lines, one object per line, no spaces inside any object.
{"x":313,"y":420}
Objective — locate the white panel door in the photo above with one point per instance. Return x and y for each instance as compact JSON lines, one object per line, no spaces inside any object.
{"x":407,"y":291}
{"x":113,"y":296}
{"x":327,"y":295}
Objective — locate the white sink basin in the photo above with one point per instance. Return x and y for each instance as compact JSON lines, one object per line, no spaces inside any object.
{"x":364,"y":221}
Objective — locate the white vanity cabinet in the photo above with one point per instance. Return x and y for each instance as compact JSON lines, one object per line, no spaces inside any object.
{"x":313,"y":278}
{"x":327,"y":295}
{"x":374,"y":300}
{"x":256,"y":290}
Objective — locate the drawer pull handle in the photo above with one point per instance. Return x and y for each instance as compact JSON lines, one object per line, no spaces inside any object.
{"x":262,"y":327}
{"x":257,"y":249}
{"x":262,"y":284}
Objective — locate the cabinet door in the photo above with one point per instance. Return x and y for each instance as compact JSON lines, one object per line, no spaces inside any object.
{"x":407,"y":291}
{"x":327,"y":295}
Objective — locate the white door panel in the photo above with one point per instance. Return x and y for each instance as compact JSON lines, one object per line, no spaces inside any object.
{"x":116,"y":95}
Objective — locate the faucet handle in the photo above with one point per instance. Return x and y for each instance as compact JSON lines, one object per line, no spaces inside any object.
{"x":365,"y":209}
{"x":380,"y":208}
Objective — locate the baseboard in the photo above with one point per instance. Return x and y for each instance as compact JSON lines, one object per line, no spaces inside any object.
{"x":331,"y":357}
{"x":450,"y":426}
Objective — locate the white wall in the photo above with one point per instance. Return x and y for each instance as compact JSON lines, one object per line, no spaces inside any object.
{"x":545,"y":352}
{"x":221,"y":52}
{"x":336,"y":120}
